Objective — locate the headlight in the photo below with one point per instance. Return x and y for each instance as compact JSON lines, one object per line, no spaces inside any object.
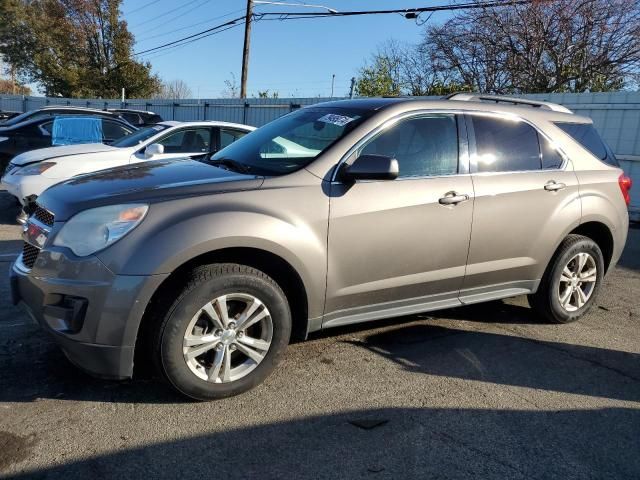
{"x":95,"y":229}
{"x":35,"y":169}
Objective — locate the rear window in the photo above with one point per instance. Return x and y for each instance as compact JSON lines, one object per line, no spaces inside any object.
{"x":588,"y":137}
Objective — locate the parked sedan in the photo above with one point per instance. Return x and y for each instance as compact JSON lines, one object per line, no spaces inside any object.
{"x":59,"y":130}
{"x":139,"y":118}
{"x":56,"y":110}
{"x":29,"y":174}
{"x":6,"y":115}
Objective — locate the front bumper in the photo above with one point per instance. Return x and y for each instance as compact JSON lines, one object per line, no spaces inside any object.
{"x":22,"y":186}
{"x":99,"y":337}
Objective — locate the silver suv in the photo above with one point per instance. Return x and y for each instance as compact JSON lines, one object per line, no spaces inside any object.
{"x":337,"y":213}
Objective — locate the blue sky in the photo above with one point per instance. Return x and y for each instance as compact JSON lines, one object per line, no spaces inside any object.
{"x":294,"y":58}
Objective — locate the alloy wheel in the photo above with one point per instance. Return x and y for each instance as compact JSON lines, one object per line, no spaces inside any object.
{"x":577,"y":282}
{"x":228,"y":338}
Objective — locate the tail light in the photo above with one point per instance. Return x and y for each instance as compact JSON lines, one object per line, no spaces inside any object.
{"x":625,"y":187}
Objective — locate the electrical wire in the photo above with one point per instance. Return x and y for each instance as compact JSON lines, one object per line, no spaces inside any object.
{"x":164,"y":34}
{"x":166,"y":13}
{"x":142,"y":7}
{"x":304,"y":15}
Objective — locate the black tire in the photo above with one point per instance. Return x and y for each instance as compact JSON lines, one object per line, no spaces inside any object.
{"x":205,"y":284}
{"x":546,"y":300}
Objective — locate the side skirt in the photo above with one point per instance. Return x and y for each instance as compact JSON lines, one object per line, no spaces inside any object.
{"x":429,"y":303}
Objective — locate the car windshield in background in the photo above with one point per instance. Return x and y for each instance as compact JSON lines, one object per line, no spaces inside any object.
{"x":139,"y":136}
{"x":290,"y":142}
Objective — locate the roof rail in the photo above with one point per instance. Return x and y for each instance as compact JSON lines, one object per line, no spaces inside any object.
{"x":478,"y":97}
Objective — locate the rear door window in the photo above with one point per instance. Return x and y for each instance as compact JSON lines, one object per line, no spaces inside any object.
{"x":504,"y":145}
{"x":587,"y":136}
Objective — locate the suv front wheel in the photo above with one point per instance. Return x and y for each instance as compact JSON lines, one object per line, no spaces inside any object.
{"x":225,"y":332}
{"x":572,"y":281}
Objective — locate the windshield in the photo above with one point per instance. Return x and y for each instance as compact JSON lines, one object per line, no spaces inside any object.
{"x":139,"y":136}
{"x":293,"y":141}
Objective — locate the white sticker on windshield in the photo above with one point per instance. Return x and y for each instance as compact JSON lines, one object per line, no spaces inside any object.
{"x":334,"y":119}
{"x":157,"y":127}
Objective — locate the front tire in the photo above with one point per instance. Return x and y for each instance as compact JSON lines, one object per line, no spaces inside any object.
{"x":225,"y":333}
{"x":571,"y":282}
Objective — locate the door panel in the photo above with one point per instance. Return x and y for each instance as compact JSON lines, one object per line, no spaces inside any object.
{"x":521,"y":211}
{"x":516,"y":223}
{"x":393,"y":240}
{"x":402,"y":242}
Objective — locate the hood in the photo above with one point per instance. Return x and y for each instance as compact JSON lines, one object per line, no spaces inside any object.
{"x":53,"y":152}
{"x":148,"y":182}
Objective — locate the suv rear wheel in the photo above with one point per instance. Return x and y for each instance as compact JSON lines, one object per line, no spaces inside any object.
{"x":571,"y":282}
{"x":225,"y":332}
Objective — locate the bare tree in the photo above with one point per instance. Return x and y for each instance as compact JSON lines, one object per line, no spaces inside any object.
{"x":543,"y":46}
{"x":174,"y":89}
{"x":400,"y":68}
{"x":232,"y":90}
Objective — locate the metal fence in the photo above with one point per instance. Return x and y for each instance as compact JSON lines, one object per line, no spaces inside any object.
{"x":615,"y":115}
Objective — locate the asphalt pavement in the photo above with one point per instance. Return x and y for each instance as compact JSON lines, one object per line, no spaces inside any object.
{"x":486,"y":391}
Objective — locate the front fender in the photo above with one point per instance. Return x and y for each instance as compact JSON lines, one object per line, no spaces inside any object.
{"x":178,"y":231}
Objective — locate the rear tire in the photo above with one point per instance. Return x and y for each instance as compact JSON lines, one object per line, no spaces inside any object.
{"x":571,"y":282}
{"x":225,"y":332}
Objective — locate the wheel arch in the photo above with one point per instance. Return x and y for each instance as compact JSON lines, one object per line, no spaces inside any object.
{"x":282,"y":272}
{"x":601,"y":234}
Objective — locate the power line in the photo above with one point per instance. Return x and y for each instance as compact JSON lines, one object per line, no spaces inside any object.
{"x":301,"y":15}
{"x":175,"y":17}
{"x":142,"y":7}
{"x":167,"y":13}
{"x":212,"y":31}
{"x":405,"y":11}
{"x":164,"y":34}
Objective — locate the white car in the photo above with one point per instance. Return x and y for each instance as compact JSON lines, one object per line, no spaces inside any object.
{"x":30,"y":173}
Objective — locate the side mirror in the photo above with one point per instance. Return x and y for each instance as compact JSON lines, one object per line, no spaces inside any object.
{"x":372,"y":167}
{"x":153,"y":150}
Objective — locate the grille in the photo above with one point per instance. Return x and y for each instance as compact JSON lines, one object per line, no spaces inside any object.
{"x":29,"y":255}
{"x":43,"y":216}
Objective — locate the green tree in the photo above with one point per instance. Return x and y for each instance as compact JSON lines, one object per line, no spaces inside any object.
{"x":379,"y":78}
{"x":73,"y":48}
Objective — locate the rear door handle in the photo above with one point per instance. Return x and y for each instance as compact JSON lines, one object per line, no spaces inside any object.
{"x":452,"y":198}
{"x":554,"y":186}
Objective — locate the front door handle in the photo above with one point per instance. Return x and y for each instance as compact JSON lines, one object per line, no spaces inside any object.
{"x":453,"y":198}
{"x":554,"y":186}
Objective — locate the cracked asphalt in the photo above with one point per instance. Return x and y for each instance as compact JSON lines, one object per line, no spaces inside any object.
{"x":476,"y":392}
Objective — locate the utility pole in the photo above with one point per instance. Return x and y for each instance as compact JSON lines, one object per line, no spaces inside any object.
{"x":245,"y":50}
{"x":333,"y":81}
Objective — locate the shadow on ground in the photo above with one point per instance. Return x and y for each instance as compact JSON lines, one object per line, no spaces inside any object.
{"x":408,"y":443}
{"x":33,"y":367}
{"x":509,"y":360}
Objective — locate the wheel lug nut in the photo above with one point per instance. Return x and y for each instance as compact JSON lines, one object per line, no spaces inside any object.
{"x":218,"y":332}
{"x":232,"y":347}
{"x":219,"y":347}
{"x":240,"y":334}
{"x":232,"y":325}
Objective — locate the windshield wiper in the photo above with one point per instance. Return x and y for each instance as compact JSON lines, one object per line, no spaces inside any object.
{"x":231,"y":164}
